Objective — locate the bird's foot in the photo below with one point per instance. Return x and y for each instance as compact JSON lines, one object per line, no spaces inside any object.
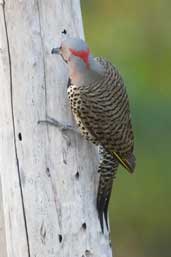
{"x":62,"y":127}
{"x":58,"y":124}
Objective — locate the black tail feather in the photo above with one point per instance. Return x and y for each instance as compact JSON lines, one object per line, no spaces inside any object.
{"x":106,"y":212}
{"x":107,"y":168}
{"x":100,"y":207}
{"x":103,"y":198}
{"x":100,"y":214}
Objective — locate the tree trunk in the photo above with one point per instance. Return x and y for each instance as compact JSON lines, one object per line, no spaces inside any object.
{"x":49,"y":180}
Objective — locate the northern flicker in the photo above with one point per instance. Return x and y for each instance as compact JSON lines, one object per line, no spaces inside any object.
{"x":100,"y":105}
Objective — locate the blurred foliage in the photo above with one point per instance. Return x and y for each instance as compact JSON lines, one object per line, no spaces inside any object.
{"x":136,"y":37}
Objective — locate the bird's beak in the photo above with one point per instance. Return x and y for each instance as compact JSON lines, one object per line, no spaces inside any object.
{"x":55,"y":50}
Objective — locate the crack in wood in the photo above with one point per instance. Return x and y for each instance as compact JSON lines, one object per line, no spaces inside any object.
{"x":58,"y":209}
{"x":84,"y":226}
{"x":14,"y":130}
{"x":48,"y":172}
{"x":43,"y":53}
{"x":64,"y":31}
{"x":88,"y":253}
{"x":77,"y":175}
{"x":20,"y":136}
{"x":58,"y":212}
{"x":60,"y":238}
{"x":43,"y":233}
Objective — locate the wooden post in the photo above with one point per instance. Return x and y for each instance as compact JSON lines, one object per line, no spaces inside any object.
{"x":49,"y":181}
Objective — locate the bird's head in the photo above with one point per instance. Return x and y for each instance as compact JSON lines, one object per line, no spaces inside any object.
{"x":73,"y":49}
{"x":76,"y":54}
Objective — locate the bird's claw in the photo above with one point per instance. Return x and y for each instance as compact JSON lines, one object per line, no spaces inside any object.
{"x":56,"y":123}
{"x":63,"y":128}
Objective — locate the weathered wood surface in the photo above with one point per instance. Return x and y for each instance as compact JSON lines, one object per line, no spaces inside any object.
{"x":3,"y":248}
{"x":48,"y":183}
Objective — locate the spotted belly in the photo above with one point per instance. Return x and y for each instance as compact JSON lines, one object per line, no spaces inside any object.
{"x":75,"y":102}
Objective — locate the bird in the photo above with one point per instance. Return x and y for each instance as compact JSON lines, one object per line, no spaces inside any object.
{"x":100,"y":106}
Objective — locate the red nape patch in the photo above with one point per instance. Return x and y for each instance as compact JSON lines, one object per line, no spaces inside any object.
{"x":84,"y":55}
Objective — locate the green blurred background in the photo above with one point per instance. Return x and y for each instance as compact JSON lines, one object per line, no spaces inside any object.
{"x":136,"y":37}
